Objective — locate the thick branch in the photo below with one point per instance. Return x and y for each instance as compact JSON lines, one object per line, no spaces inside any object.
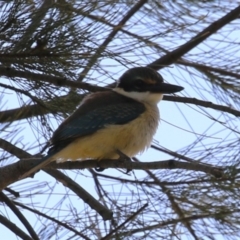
{"x":12,"y":172}
{"x":17,"y":114}
{"x":57,"y":81}
{"x":21,"y":217}
{"x":82,"y":193}
{"x":171,"y":57}
{"x":165,"y":164}
{"x":4,"y":221}
{"x":64,"y":104}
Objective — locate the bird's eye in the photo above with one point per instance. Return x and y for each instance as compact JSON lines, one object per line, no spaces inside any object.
{"x":138,"y":83}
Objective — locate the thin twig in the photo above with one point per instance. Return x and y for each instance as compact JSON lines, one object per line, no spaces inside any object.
{"x":60,"y":223}
{"x":175,"y":206}
{"x":125,"y":222}
{"x":24,"y":221}
{"x":178,"y":220}
{"x":110,"y":37}
{"x":37,"y":17}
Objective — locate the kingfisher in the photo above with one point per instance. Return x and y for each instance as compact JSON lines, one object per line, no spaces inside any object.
{"x":121,"y":120}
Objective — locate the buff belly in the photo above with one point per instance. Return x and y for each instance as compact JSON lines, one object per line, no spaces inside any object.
{"x":130,"y":139}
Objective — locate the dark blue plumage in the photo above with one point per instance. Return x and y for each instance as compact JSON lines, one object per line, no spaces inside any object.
{"x":103,"y":109}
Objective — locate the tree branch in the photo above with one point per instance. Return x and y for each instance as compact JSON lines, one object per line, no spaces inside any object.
{"x":171,"y":57}
{"x":14,"y":228}
{"x":12,"y":172}
{"x":82,"y":193}
{"x":202,"y":103}
{"x":57,"y":81}
{"x":163,"y":164}
{"x":178,"y":220}
{"x":25,"y":112}
{"x":209,"y":68}
{"x":21,"y":217}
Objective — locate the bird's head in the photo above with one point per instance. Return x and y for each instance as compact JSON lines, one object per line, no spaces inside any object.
{"x":144,"y":84}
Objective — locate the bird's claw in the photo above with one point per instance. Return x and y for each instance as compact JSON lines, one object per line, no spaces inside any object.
{"x":123,"y":157}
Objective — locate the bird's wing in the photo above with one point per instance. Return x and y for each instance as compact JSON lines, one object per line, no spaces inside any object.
{"x":95,"y":112}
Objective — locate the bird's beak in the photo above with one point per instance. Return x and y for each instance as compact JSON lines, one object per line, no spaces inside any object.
{"x":165,"y":88}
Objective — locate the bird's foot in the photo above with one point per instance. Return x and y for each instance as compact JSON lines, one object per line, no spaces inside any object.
{"x":123,"y":157}
{"x":99,"y":169}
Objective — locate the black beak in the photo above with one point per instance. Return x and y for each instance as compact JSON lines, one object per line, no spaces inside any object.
{"x":165,"y":88}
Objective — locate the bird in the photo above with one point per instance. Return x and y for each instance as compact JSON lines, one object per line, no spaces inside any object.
{"x":123,"y":120}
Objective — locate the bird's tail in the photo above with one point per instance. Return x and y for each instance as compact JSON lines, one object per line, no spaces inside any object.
{"x":39,"y":164}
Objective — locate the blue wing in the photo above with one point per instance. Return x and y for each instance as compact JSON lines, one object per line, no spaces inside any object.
{"x":96,"y":111}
